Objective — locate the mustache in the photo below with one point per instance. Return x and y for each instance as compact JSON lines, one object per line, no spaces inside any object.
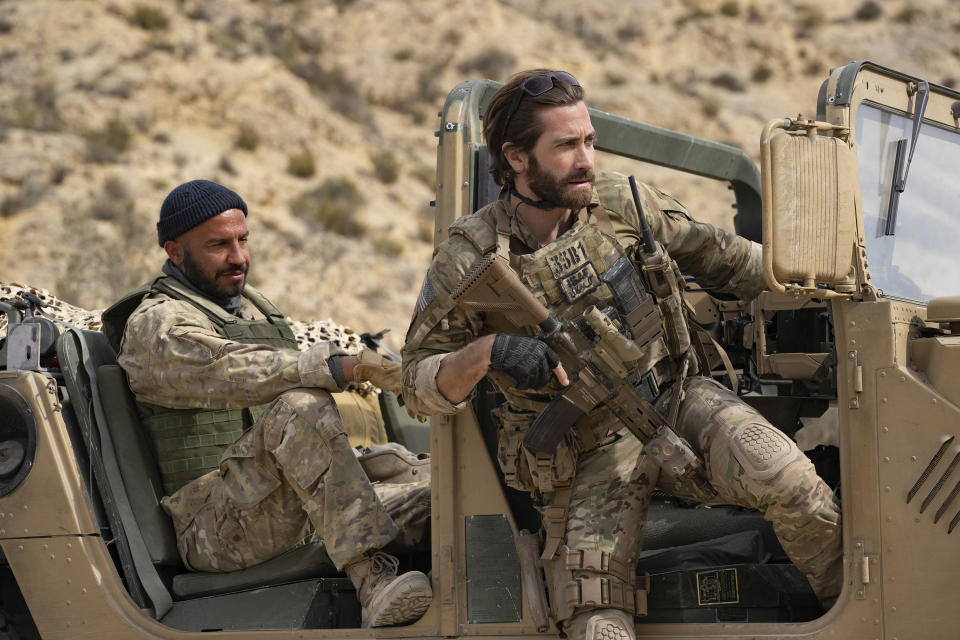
{"x":232,"y":268}
{"x":584,"y":174}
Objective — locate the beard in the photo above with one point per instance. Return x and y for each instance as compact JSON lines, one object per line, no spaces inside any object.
{"x":547,"y":187}
{"x":209,"y":286}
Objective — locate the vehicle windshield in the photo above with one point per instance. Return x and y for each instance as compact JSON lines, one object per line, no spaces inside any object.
{"x":919,"y":261}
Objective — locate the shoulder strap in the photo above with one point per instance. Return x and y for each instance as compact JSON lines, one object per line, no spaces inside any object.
{"x":114,"y":319}
{"x":610,"y":201}
{"x":265,"y":307}
{"x":477,"y":230}
{"x":603,"y":220}
{"x":503,"y":233}
{"x":176,"y":289}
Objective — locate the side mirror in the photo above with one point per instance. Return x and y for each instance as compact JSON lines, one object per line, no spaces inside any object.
{"x":810,"y":186}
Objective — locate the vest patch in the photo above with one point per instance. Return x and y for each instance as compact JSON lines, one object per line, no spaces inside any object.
{"x":426,"y":295}
{"x":569,"y":259}
{"x":577,"y":284}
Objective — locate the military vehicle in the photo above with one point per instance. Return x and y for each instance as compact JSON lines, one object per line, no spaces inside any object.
{"x":856,"y":338}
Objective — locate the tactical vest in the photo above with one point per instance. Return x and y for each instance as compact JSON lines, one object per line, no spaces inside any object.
{"x":189,"y":442}
{"x":580,"y":270}
{"x":585,"y":267}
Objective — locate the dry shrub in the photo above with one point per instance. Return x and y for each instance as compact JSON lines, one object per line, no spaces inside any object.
{"x":36,"y":109}
{"x":30,"y":192}
{"x":149,"y":17}
{"x":341,"y":92}
{"x":761,"y":73}
{"x":106,"y":144}
{"x":710,"y":108}
{"x":813,"y":68}
{"x":301,"y":164}
{"x":247,"y":137}
{"x":809,"y":17}
{"x":493,"y":63}
{"x":425,"y":173}
{"x":629,"y":32}
{"x":731,"y":9}
{"x":113,"y":202}
{"x":615,"y":78}
{"x":388,"y":246}
{"x":697,"y":13}
{"x":424,"y":231}
{"x":385,"y":166}
{"x":869,"y":10}
{"x":333,"y":205}
{"x":908,"y":14}
{"x":728,"y":81}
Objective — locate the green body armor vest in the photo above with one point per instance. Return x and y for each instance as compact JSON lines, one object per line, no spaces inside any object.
{"x":189,"y":442}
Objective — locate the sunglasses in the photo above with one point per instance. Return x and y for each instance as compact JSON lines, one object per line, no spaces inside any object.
{"x":535,"y":86}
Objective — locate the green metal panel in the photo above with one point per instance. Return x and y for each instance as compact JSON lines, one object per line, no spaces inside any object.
{"x":687,"y":153}
{"x":494,"y":589}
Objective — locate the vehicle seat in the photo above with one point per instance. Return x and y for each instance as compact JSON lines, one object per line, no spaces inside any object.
{"x":105,"y":395}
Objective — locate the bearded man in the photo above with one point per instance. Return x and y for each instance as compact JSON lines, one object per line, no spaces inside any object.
{"x":569,"y":234}
{"x":252,"y":451}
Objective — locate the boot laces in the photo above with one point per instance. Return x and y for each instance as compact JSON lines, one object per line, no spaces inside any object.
{"x":383,"y":567}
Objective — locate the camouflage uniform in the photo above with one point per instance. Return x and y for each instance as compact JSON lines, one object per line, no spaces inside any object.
{"x":292,"y":476}
{"x":605,"y":477}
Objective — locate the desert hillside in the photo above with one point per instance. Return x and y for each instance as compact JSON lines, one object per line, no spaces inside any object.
{"x":321,"y":115}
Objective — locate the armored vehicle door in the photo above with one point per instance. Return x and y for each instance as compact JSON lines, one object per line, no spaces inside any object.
{"x":860,"y":213}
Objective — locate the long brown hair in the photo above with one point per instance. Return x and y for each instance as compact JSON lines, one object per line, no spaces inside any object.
{"x":524,"y":128}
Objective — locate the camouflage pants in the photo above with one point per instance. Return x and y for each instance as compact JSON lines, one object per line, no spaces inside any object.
{"x":290,"y":478}
{"x":748,"y":462}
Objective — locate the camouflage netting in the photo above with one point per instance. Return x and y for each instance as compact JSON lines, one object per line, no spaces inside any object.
{"x":307,"y":333}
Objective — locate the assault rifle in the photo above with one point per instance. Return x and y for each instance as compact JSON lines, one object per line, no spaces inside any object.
{"x":600,"y":356}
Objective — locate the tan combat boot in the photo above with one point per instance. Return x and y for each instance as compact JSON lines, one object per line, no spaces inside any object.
{"x":600,"y":624}
{"x":387,"y":598}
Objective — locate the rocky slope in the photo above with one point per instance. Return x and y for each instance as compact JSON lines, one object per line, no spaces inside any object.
{"x":321,"y":115}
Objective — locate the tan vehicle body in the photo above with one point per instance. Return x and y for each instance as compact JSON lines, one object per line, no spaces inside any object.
{"x":897,"y":403}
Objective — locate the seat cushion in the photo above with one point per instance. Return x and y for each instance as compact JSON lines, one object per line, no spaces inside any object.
{"x":138,"y":466}
{"x":307,"y":561}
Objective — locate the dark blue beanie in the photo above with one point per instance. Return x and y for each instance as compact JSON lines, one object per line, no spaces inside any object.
{"x":192,"y":203}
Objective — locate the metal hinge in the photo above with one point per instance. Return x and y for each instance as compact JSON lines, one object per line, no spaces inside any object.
{"x":856,"y":378}
{"x":866,"y":569}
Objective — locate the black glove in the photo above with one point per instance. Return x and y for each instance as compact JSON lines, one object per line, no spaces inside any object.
{"x":528,"y":361}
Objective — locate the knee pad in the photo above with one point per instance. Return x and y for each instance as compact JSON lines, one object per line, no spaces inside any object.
{"x":762,"y":450}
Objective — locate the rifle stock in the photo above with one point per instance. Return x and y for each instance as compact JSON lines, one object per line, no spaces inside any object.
{"x":491,"y":285}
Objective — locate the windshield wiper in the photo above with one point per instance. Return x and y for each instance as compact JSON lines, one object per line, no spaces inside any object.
{"x":901,"y":165}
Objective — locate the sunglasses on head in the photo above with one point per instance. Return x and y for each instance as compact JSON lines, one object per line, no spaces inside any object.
{"x":535,"y":86}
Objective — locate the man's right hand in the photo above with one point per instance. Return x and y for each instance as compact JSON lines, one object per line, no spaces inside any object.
{"x":528,"y":361}
{"x":374,"y":368}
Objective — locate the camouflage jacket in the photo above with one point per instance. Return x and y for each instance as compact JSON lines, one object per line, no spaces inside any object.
{"x":174,"y":357}
{"x":716,"y":257}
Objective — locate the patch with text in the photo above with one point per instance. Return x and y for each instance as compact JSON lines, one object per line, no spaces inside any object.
{"x":717,"y":587}
{"x":577,"y":284}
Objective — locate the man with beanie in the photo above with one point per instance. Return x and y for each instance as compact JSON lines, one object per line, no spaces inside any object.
{"x":252,"y":452}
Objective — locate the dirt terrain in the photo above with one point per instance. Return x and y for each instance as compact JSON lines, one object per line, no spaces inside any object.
{"x":321,"y":115}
